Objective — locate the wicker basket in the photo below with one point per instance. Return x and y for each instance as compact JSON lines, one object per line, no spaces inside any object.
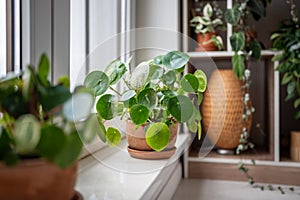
{"x":222,"y":109}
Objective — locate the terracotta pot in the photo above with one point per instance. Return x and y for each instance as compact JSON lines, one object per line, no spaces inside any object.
{"x":222,"y":120}
{"x":202,"y":40}
{"x":295,"y":145}
{"x":36,"y":179}
{"x":136,"y":137}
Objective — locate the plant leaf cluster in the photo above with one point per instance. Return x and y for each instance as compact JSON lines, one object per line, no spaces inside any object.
{"x":287,"y":40}
{"x":154,"y":95}
{"x":38,"y":118}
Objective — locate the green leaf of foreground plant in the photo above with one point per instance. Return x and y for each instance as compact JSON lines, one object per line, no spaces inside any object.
{"x":52,"y":141}
{"x":158,"y":136}
{"x":175,"y":59}
{"x":107,"y":106}
{"x":201,"y":76}
{"x":139,"y":114}
{"x":148,"y":98}
{"x":232,"y":16}
{"x":7,"y":154}
{"x":43,"y":70}
{"x":115,"y":71}
{"x":92,"y":127}
{"x":53,"y":96}
{"x":70,"y":151}
{"x":181,"y":108}
{"x":238,"y":65}
{"x":189,"y":83}
{"x":78,"y":107}
{"x":27,"y":133}
{"x":97,"y":81}
{"x":237,"y":41}
{"x":113,"y":136}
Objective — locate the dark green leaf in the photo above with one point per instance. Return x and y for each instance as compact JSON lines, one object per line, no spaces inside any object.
{"x":232,"y":16}
{"x":297,"y":103}
{"x":64,"y":81}
{"x":115,"y":71}
{"x":139,"y":114}
{"x":14,"y":104}
{"x":51,"y":142}
{"x":256,"y":49}
{"x":175,"y":59}
{"x":181,"y":108}
{"x":237,"y":41}
{"x":97,"y":81}
{"x":70,"y":151}
{"x":113,"y":136}
{"x":6,"y":152}
{"x":189,"y":83}
{"x":129,"y":103}
{"x":43,"y":70}
{"x":107,"y":106}
{"x":297,"y":115}
{"x":257,"y":8}
{"x":278,"y":57}
{"x":52,"y":97}
{"x":291,"y":87}
{"x":158,"y":136}
{"x":238,"y":65}
{"x":287,"y":77}
{"x":148,"y":98}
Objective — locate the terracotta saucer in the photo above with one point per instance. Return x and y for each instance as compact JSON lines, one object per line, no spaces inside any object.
{"x":151,"y":155}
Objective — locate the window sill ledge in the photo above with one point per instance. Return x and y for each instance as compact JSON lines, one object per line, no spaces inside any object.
{"x":112,"y":174}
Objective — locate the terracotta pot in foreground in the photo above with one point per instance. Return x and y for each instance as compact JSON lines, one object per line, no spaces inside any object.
{"x":36,"y":179}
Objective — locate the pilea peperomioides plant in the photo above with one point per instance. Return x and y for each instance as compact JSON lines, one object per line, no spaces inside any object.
{"x":154,"y":97}
{"x":39,"y":119}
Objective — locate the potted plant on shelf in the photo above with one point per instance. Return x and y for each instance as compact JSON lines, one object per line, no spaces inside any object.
{"x":41,"y":135}
{"x":153,"y":102}
{"x":206,"y":27}
{"x":286,"y":39}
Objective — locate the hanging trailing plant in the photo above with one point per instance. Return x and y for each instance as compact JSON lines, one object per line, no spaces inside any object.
{"x":245,"y":47}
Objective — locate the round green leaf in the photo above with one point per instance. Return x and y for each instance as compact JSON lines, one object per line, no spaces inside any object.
{"x":181,"y":108}
{"x":115,"y":71}
{"x":158,"y":136}
{"x":148,"y":98}
{"x":27,"y":133}
{"x":97,"y":81}
{"x":92,"y":126}
{"x":78,"y":107}
{"x":139,"y":114}
{"x":169,"y":78}
{"x":189,"y":83}
{"x":107,"y":106}
{"x":113,"y":136}
{"x":155,"y":72}
{"x":158,"y":60}
{"x":202,"y":80}
{"x":140,"y":76}
{"x":175,"y":59}
{"x":232,"y":16}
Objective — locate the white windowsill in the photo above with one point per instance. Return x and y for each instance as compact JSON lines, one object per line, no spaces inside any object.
{"x":112,"y":173}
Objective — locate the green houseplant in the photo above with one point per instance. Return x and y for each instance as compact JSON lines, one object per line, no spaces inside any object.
{"x":41,"y":135}
{"x":206,"y":27}
{"x":153,"y":100}
{"x":287,"y":40}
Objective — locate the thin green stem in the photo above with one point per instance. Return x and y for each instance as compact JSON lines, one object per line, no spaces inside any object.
{"x":118,"y":93}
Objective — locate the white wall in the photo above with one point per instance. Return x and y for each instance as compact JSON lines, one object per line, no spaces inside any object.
{"x":164,"y":17}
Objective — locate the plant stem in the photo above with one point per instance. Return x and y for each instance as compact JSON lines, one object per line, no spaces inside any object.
{"x":118,"y":93}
